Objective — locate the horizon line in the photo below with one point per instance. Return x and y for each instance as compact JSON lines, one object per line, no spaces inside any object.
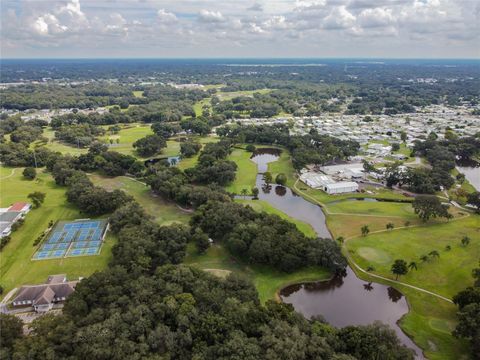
{"x":242,"y":58}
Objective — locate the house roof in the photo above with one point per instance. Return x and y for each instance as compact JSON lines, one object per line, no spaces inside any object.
{"x":19,"y":206}
{"x":46,"y":293}
{"x":4,"y":226}
{"x":9,"y":216}
{"x":45,"y":297}
{"x":341,"y":185}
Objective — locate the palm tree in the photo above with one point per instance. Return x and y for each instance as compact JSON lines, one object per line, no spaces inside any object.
{"x":341,"y":239}
{"x":465,"y":240}
{"x":448,"y":248}
{"x":244,"y":192}
{"x":412,"y":265}
{"x":365,"y":230}
{"x":434,"y":253}
{"x":390,"y":226}
{"x":424,"y":258}
{"x":399,"y":267}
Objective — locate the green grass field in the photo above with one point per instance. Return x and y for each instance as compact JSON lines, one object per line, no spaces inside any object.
{"x":430,"y":320}
{"x":54,"y":145}
{"x":246,"y":172}
{"x":192,"y":161}
{"x":162,"y":211}
{"x":16,"y":267}
{"x":380,"y":208}
{"x":138,"y":93}
{"x":127,"y":136}
{"x":198,"y":106}
{"x":447,"y":275}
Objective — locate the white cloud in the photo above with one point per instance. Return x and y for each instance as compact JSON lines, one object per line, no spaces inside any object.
{"x":166,"y":17}
{"x":339,"y":19}
{"x":377,"y":17}
{"x":211,"y":16}
{"x":258,"y":27}
{"x":41,"y":26}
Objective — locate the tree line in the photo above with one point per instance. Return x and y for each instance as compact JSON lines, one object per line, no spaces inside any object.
{"x":312,"y":148}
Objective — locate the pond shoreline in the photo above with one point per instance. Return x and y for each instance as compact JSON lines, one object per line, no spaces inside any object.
{"x":265,"y":194}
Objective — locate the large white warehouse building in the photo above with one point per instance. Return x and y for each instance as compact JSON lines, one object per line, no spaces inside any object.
{"x":340,"y":187}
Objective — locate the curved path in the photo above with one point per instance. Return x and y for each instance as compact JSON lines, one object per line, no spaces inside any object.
{"x":11,"y":174}
{"x":358,"y":267}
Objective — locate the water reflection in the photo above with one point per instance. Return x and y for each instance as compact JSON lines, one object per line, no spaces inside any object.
{"x":394,"y":294}
{"x":368,"y":286}
{"x":471,"y":170}
{"x":345,"y":299}
{"x":280,"y":190}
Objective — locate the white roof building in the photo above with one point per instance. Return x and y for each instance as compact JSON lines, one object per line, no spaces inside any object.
{"x":341,"y":187}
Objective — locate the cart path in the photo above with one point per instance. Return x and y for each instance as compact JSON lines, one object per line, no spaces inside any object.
{"x":358,"y":267}
{"x":11,"y":174}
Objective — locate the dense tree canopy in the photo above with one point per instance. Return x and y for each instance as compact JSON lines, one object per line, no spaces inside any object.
{"x":149,"y":145}
{"x":260,"y":238}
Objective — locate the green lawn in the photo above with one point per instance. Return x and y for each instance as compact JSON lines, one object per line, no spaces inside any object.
{"x":430,"y":320}
{"x":138,"y":93}
{"x":198,"y":106}
{"x":192,"y":161}
{"x":162,"y":211}
{"x":246,"y":172}
{"x":127,"y":136}
{"x":380,"y":208}
{"x":446,"y":275}
{"x":16,"y":267}
{"x":54,"y":145}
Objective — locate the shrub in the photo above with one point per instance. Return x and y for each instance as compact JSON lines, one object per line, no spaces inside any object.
{"x":29,"y":173}
{"x":250,"y":148}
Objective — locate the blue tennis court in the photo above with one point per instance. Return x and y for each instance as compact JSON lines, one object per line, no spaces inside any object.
{"x":74,"y":238}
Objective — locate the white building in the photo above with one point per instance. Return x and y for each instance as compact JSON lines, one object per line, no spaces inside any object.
{"x":315,"y":180}
{"x":341,"y":187}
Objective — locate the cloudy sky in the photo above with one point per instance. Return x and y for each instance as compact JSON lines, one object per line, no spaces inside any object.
{"x":240,"y":28}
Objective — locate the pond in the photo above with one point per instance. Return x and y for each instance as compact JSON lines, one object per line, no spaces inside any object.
{"x":348,"y":300}
{"x":172,"y":160}
{"x":344,"y":300}
{"x":284,"y":199}
{"x":471,"y":170}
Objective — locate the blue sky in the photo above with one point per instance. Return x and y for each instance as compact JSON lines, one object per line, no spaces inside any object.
{"x":248,"y":28}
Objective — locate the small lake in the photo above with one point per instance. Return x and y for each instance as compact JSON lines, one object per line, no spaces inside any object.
{"x":284,"y":199}
{"x":348,"y":300}
{"x":344,"y":300}
{"x":471,"y":169}
{"x":172,"y":160}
